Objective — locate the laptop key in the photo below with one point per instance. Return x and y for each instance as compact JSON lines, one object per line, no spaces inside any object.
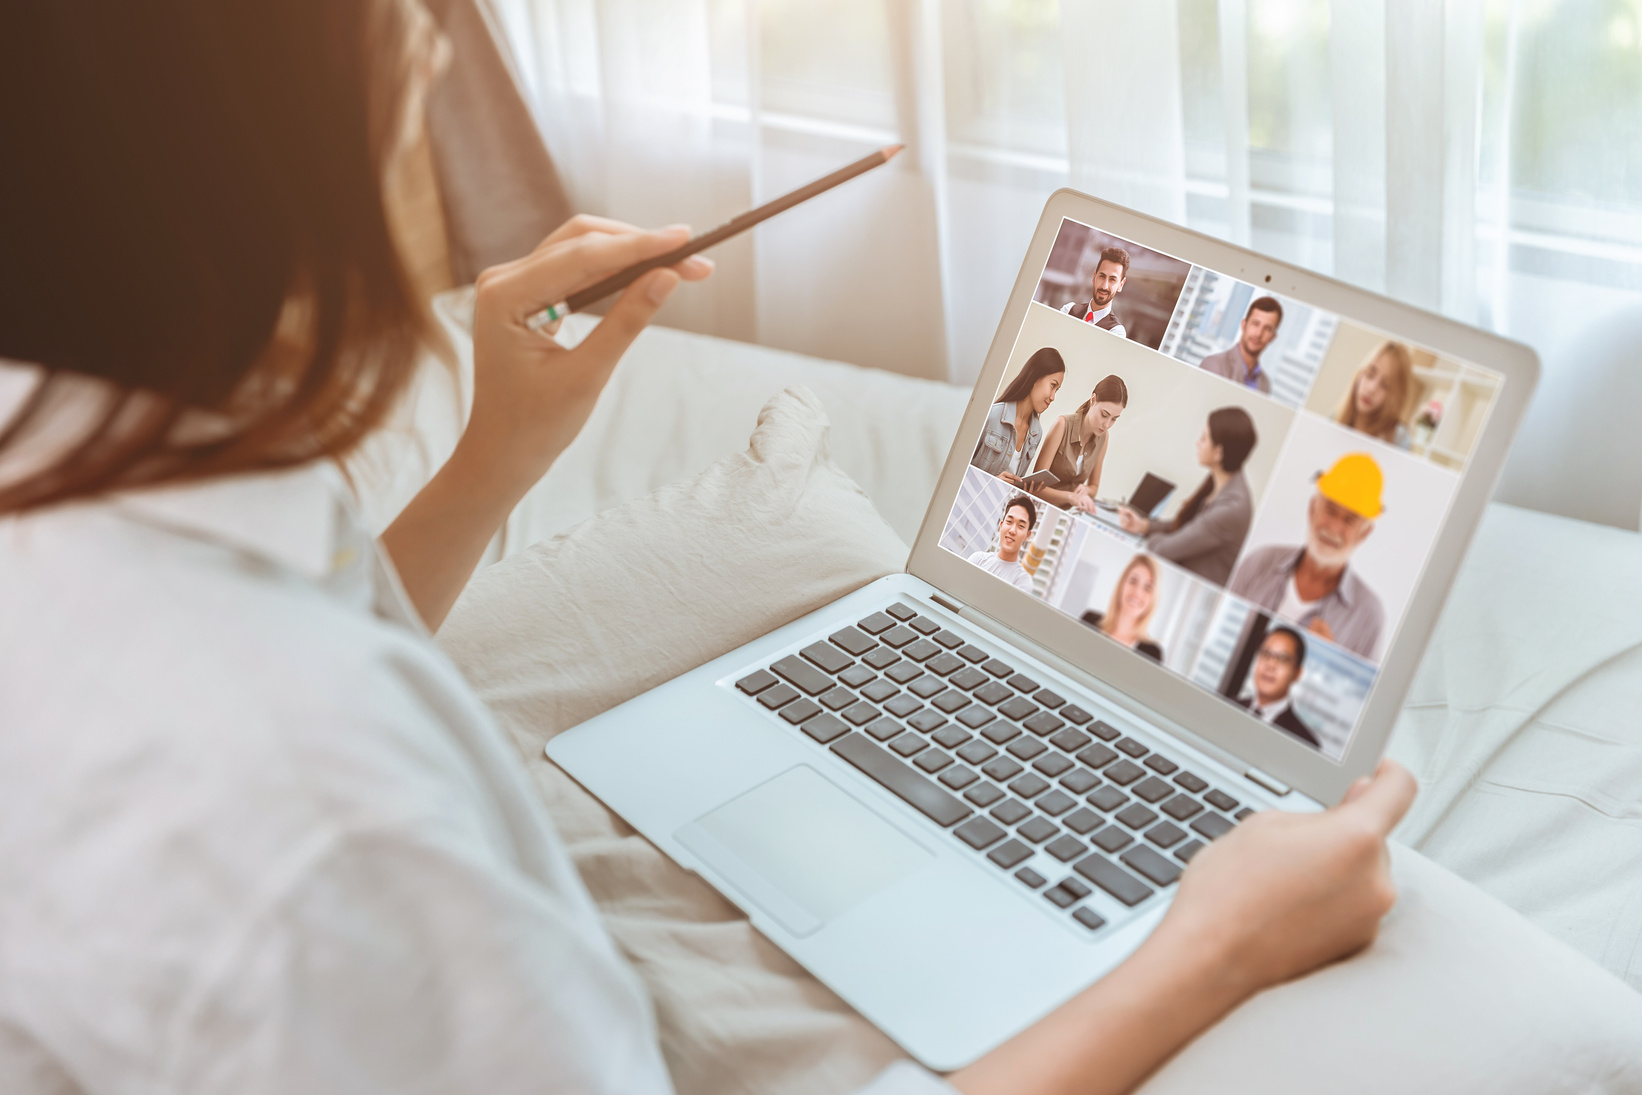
{"x":837,"y":699}
{"x":926,"y":720}
{"x":977,"y":753}
{"x":1079,"y":781}
{"x":878,"y":690}
{"x":1010,"y":855}
{"x":826,"y":728}
{"x":857,"y":675}
{"x":1113,"y":879}
{"x":1113,"y":838}
{"x":1056,"y":803}
{"x":931,"y":761}
{"x":1001,"y":733}
{"x":1123,"y":773}
{"x":1089,"y":918}
{"x":1151,"y":789}
{"x":951,"y":737}
{"x":1028,"y":786}
{"x":1027,"y":748}
{"x":1043,"y":724}
{"x":1045,"y":698}
{"x":920,"y":651}
{"x":1096,"y":756}
{"x":854,"y":640}
{"x":1191,"y":783}
{"x":876,"y":623}
{"x":971,"y":653}
{"x":1052,"y":765}
{"x":1241,"y":814}
{"x":993,"y":693}
{"x":1037,"y":830}
{"x":1029,"y":878}
{"x":983,"y":794}
{"x":976,"y":717}
{"x":1082,"y":821}
{"x":1221,"y":801}
{"x":796,"y":713}
{"x":1132,"y":747}
{"x":958,"y":778}
{"x":901,"y":706}
{"x":999,"y":668}
{"x":1019,"y":708}
{"x":926,"y":687}
{"x":1105,"y":731}
{"x":1065,"y":848}
{"x":923,"y":625}
{"x":883,"y":729}
{"x":1161,"y":765}
{"x":979,"y":833}
{"x":1134,"y":815}
{"x":908,"y":745}
{"x":901,"y":779}
{"x":968,"y":678}
{"x":950,"y":701}
{"x":1002,"y":769}
{"x":902,"y":672}
{"x":944,"y":664}
{"x":755,"y":683}
{"x":1009,"y":811}
{"x":1151,"y":866}
{"x":1165,"y":834}
{"x":881,"y":658}
{"x":1075,"y":715}
{"x":901,"y":611}
{"x":1069,"y":740}
{"x":1182,"y":807}
{"x":1212,"y":826}
{"x":948,"y":639}
{"x":1185,"y":852}
{"x":1060,"y":897}
{"x":802,"y":675}
{"x":827,"y":656}
{"x":775,"y":697}
{"x":1106,"y":798}
{"x":898,"y":636}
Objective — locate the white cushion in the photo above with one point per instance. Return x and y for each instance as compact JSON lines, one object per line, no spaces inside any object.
{"x":1460,"y":993}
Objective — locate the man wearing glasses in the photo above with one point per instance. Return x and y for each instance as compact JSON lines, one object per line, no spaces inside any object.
{"x":1312,"y":584}
{"x":1277,"y":666}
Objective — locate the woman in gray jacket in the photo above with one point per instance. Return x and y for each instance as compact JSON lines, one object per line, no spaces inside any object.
{"x":1208,"y":532}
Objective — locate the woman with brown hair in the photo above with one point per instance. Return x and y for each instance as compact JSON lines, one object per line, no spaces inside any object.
{"x":1377,"y":401}
{"x":256,"y":832}
{"x":1014,"y":429}
{"x":1134,"y":599}
{"x":1075,"y":450}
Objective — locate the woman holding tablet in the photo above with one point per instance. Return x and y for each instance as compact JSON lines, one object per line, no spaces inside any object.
{"x":1013,"y":431}
{"x":1075,"y":450}
{"x":1208,"y":532}
{"x":264,"y":837}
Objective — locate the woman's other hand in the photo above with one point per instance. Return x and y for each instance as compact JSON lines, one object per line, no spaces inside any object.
{"x":531,"y":395}
{"x":1133,"y":522}
{"x":1082,"y":499}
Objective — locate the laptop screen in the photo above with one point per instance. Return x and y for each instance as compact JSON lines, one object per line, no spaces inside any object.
{"x":1315,"y":457}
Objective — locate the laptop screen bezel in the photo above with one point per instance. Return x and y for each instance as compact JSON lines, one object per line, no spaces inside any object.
{"x":1144,"y":684}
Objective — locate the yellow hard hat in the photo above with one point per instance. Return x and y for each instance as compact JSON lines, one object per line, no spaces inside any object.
{"x":1354,"y":482}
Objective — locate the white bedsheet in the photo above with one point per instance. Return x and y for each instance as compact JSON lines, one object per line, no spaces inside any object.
{"x":1523,"y":723}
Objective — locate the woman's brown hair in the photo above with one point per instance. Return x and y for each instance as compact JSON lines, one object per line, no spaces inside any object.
{"x":1399,"y":385}
{"x":1043,"y":362}
{"x":191,"y":213}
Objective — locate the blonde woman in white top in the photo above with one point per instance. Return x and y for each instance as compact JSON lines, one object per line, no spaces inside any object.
{"x":256,"y":834}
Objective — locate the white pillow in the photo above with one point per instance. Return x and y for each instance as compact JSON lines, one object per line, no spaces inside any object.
{"x":1460,"y":994}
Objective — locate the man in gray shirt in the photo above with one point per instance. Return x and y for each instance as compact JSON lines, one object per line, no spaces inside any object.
{"x":1240,"y":362}
{"x":1311,"y":584}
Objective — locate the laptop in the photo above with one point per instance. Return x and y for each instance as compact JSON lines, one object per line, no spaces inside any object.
{"x":958,"y":805}
{"x":1151,"y":493}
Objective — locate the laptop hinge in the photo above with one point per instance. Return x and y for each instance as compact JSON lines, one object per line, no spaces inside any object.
{"x":1270,"y":783}
{"x":950,"y":606}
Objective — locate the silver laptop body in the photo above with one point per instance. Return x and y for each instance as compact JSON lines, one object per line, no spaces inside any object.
{"x":829,"y":778}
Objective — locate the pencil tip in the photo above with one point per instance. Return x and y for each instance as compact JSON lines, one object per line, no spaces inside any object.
{"x":890,"y":150}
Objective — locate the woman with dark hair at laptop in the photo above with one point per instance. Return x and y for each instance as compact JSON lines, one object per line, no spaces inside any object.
{"x":1075,"y":450}
{"x":259,"y":834}
{"x":1208,"y":532}
{"x":1014,"y":431}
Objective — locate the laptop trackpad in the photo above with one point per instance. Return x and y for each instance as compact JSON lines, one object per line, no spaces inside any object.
{"x":802,"y":848}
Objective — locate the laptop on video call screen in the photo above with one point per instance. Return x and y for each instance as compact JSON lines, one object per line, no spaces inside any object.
{"x":1314,"y":459}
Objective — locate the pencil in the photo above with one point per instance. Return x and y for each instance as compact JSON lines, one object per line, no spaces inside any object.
{"x":620,"y":280}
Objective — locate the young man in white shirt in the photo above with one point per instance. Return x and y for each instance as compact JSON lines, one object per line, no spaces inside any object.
{"x":1110,"y":274}
{"x":1019,"y":518}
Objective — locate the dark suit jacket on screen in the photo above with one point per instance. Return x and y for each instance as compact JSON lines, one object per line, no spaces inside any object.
{"x":1286,"y":720}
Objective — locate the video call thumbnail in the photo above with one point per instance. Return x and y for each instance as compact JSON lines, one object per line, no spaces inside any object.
{"x":1203,"y":470}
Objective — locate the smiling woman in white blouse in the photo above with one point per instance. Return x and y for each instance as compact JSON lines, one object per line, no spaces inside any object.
{"x":256,"y":834}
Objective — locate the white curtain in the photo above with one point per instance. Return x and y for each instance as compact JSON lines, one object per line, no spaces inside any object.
{"x":1478,"y":157}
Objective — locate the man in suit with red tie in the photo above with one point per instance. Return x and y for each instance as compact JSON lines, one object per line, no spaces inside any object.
{"x":1110,"y":273}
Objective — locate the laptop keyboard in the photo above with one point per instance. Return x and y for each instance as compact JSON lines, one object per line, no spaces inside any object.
{"x":1008,"y":767}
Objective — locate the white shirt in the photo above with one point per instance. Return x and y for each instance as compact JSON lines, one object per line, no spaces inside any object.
{"x":1291,"y":607}
{"x":257,"y":835}
{"x":1010,"y":571}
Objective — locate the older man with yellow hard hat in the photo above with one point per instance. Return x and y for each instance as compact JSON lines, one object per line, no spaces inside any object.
{"x":1312,"y":584}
